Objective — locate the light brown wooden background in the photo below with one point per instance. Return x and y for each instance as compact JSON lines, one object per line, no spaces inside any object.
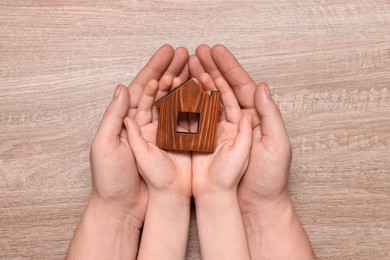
{"x":327,"y":63}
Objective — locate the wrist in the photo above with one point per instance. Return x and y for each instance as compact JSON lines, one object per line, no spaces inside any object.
{"x":165,"y":198}
{"x":217,"y":201}
{"x":171,"y":209}
{"x":166,"y":226}
{"x":220,"y":227}
{"x":103,"y":235}
{"x":168,"y":207}
{"x":111,"y":215}
{"x":278,"y":231}
{"x":270,"y":214}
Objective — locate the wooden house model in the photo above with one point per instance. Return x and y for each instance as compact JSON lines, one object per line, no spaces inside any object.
{"x":190,"y":99}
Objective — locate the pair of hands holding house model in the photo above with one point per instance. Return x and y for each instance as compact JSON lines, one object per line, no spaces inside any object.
{"x":240,"y":190}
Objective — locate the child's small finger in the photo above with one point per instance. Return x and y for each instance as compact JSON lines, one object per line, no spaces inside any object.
{"x":207,"y":82}
{"x":243,"y":141}
{"x":232,"y":109}
{"x":195,"y":67}
{"x":144,"y":115}
{"x":137,"y":143}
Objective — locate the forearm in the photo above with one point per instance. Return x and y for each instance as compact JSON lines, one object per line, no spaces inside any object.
{"x":220,"y":227}
{"x":166,"y":227}
{"x":103,"y":236}
{"x":275,"y":232}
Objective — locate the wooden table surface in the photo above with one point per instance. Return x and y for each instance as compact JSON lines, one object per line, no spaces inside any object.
{"x":327,"y":63}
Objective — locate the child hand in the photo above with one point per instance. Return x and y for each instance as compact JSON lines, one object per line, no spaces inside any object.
{"x":215,"y":177}
{"x":163,"y":171}
{"x":222,"y":170}
{"x":168,"y":178}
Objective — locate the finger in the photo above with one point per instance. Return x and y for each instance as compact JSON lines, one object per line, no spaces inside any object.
{"x":164,"y":86}
{"x":272,"y":124}
{"x":243,"y":141}
{"x":176,"y":83}
{"x":144,"y":115}
{"x":137,"y":143}
{"x":203,"y":52}
{"x":242,"y":84}
{"x":195,"y":67}
{"x":112,"y":122}
{"x":181,"y":78}
{"x":185,"y":73}
{"x":256,"y":133}
{"x":178,"y":63}
{"x":229,"y":101}
{"x":207,"y":82}
{"x":154,"y":69}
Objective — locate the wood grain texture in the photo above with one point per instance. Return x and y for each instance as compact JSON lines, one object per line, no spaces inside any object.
{"x":188,"y":98}
{"x":327,"y":64}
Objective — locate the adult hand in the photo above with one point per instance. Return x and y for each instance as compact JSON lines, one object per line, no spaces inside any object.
{"x":266,"y":177}
{"x":263,"y":196}
{"x":110,"y":226}
{"x":116,"y":183}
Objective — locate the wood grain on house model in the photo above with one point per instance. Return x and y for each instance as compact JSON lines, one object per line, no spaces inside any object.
{"x":192,"y":99}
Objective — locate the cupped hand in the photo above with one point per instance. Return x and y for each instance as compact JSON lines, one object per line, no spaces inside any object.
{"x":117,"y":187}
{"x":221,"y":170}
{"x":265,"y":180}
{"x":163,"y":171}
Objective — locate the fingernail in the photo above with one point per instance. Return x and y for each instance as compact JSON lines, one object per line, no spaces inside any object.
{"x":266,"y":89}
{"x":117,"y":92}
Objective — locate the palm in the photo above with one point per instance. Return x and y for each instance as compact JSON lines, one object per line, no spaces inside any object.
{"x":214,"y":169}
{"x":165,"y":167}
{"x":267,"y":174}
{"x":115,"y":178}
{"x":124,"y":189}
